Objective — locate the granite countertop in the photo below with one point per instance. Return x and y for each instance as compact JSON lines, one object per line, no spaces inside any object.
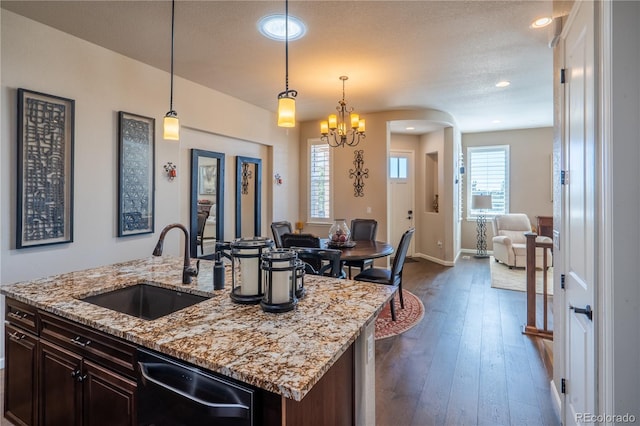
{"x":284,"y":353}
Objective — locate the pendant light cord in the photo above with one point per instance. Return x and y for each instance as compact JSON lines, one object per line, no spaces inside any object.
{"x":173,"y":18}
{"x":286,"y":45}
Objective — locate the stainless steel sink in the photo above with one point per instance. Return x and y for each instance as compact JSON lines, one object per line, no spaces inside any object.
{"x":145,"y":301}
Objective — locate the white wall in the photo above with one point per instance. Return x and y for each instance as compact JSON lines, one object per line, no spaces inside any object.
{"x":101,"y":82}
{"x":530,"y":188}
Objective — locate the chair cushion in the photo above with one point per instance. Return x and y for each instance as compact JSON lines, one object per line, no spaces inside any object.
{"x":374,"y":275}
{"x":516,"y":237}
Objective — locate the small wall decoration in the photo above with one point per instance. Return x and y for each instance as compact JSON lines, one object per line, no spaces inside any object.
{"x":358,"y":174}
{"x":45,"y":169}
{"x":246,"y":176}
{"x":136,"y":171}
{"x":171,"y":170}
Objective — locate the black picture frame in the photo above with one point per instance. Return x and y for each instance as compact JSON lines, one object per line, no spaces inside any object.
{"x":45,"y":169}
{"x":136,"y":174}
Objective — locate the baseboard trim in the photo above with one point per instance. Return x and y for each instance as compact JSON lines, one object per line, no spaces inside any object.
{"x":556,"y":400}
{"x":434,"y":259}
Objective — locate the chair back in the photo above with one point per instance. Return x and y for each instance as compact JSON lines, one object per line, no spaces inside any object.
{"x":401,"y":255}
{"x":202,"y":221}
{"x":279,"y":228}
{"x":313,"y":257}
{"x":364,"y":229}
{"x":299,"y":240}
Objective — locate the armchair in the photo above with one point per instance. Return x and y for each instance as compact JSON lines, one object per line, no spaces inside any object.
{"x":510,"y":244}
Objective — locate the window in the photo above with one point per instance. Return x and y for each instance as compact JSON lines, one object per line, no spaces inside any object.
{"x":398,"y":167}
{"x":320,"y":208}
{"x":488,"y":174}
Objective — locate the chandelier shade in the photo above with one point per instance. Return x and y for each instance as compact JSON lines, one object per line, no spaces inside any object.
{"x":344,"y":128}
{"x":171,"y":124}
{"x":287,"y":99}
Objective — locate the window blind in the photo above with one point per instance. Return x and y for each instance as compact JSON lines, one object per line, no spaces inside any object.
{"x":488,"y":174}
{"x":320,"y":181}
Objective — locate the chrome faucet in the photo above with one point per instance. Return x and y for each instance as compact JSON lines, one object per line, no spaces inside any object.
{"x":188,"y":271}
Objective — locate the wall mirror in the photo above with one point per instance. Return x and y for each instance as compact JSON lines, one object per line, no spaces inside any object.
{"x":248,"y":196}
{"x":207,"y":201}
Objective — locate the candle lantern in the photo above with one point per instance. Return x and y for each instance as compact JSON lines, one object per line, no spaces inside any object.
{"x":299,"y":287}
{"x":279,"y":277}
{"x":246,"y":280}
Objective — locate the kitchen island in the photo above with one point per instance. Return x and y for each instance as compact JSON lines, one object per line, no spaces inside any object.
{"x":284,"y":354}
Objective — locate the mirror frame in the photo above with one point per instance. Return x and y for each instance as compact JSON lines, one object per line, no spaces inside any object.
{"x":195,"y":155}
{"x":257,"y":223}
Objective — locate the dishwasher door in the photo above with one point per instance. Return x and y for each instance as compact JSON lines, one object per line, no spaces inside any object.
{"x":174,"y":394}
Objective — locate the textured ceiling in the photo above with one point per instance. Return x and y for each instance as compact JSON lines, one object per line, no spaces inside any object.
{"x":444,"y":55}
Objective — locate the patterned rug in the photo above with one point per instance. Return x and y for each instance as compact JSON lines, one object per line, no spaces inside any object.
{"x":516,"y":278}
{"x":405,"y":318}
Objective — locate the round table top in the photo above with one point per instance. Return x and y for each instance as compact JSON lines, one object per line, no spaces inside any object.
{"x":364,"y":250}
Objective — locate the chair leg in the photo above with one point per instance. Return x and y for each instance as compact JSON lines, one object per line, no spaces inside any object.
{"x":349,"y":272}
{"x":401,"y":296}
{"x":393,"y":308}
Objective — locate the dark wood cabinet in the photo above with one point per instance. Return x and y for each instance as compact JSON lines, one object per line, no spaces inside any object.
{"x":59,"y":372}
{"x":20,"y":376}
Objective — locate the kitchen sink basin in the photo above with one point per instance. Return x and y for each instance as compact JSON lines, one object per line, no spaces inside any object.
{"x":145,"y":301}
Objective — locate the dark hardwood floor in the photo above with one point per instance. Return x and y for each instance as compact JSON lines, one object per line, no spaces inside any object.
{"x":467,"y":362}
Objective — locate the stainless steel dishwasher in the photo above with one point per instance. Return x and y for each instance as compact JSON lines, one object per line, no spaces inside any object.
{"x":171,"y":393}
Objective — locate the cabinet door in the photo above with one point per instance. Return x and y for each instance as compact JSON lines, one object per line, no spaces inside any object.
{"x":109,"y":398}
{"x":20,"y":377}
{"x":60,"y":386}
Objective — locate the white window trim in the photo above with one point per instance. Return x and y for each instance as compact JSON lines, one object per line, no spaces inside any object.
{"x":507,"y":171}
{"x":318,"y":220}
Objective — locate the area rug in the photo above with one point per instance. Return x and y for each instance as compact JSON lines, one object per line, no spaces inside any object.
{"x":516,"y":278}
{"x":405,"y":318}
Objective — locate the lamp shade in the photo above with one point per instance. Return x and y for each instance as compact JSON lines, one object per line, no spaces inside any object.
{"x":171,"y":128}
{"x":481,"y":202}
{"x":286,"y":112}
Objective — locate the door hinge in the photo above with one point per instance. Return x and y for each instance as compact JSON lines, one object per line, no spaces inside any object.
{"x":562,"y":76}
{"x":563,"y":385}
{"x":562,"y":281}
{"x":564,"y":177}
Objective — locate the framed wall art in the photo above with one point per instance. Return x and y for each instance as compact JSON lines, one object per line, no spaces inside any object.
{"x":136,"y":171}
{"x":45,"y":169}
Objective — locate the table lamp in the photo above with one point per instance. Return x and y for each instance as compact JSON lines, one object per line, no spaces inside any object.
{"x":482,"y":203}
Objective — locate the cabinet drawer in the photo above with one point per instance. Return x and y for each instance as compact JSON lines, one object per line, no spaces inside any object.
{"x":21,"y":314}
{"x":99,"y":347}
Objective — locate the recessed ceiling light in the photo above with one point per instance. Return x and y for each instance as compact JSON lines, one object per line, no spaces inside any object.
{"x":410,"y":128}
{"x":496,"y":121}
{"x":503,"y":83}
{"x":541,"y":22}
{"x":273,"y":27}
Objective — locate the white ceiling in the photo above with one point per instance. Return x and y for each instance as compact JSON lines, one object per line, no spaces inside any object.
{"x":443,"y":55}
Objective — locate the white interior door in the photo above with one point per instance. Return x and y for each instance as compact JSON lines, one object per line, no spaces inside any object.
{"x":401,"y":179}
{"x":579,"y":210}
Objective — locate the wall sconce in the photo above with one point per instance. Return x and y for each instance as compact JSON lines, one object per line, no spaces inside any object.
{"x":278,"y":179}
{"x":170,"y":169}
{"x":279,"y":269}
{"x":246,"y":279}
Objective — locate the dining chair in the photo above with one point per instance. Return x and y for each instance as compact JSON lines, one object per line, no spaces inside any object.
{"x":312,"y":256}
{"x":202,"y":222}
{"x":302,"y":240}
{"x":279,"y":228}
{"x":391,"y":276}
{"x":362,"y":230}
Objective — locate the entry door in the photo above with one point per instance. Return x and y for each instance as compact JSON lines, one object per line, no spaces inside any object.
{"x":579,"y":214}
{"x":401,"y":176}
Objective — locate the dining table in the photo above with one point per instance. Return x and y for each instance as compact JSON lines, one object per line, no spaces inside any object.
{"x":362,"y":250}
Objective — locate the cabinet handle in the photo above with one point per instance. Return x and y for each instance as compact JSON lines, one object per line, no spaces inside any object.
{"x":15,"y":336}
{"x":17,"y":315}
{"x":76,"y":341}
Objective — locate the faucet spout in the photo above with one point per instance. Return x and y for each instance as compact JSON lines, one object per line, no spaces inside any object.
{"x":188,"y":271}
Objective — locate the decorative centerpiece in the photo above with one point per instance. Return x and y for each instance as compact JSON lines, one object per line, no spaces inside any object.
{"x":246,"y":281}
{"x":340,"y":235}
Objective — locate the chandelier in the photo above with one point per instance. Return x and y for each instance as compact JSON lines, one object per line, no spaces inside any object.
{"x":345,"y":128}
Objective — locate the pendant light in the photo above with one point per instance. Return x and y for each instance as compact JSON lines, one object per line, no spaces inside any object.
{"x":171,"y":123}
{"x":287,"y":99}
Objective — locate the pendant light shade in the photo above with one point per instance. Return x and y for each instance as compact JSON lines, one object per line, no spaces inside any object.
{"x":171,"y":127}
{"x":171,"y":122}
{"x":286,"y":111}
{"x":287,"y":99}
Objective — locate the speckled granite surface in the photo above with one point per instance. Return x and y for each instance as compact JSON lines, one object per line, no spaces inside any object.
{"x":284,"y":353}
